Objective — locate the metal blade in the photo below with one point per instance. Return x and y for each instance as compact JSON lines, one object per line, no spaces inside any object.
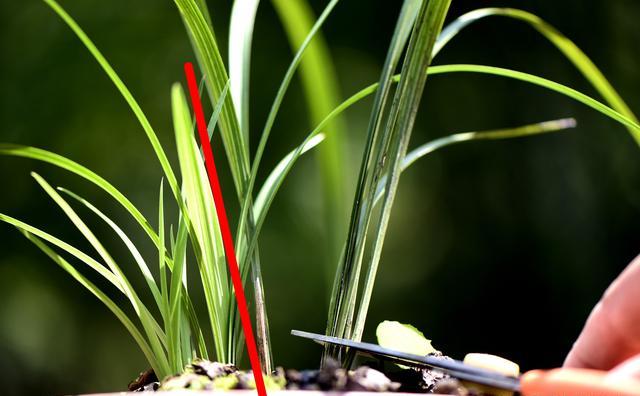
{"x":455,"y":368}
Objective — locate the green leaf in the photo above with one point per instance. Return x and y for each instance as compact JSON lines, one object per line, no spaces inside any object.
{"x":135,"y":253}
{"x":345,"y":287}
{"x":246,"y":215}
{"x":497,"y":134}
{"x":571,"y":51}
{"x":82,"y":171}
{"x":275,"y":178}
{"x":403,"y":338}
{"x":211,"y":64}
{"x":124,"y":91}
{"x":200,"y":210}
{"x":112,"y":306}
{"x":88,"y":260}
{"x":278,"y":174}
{"x":275,"y":107}
{"x":82,"y":257}
{"x":155,"y":335}
{"x":180,"y":303}
{"x":542,"y":82}
{"x":243,"y":15}
{"x":399,"y":127}
{"x":215,"y":116}
{"x":175,"y":315}
{"x":202,"y":5}
{"x":164,"y":307}
{"x":322,"y":95}
{"x":237,"y":150}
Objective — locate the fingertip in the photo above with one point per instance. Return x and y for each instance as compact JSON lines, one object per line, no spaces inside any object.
{"x":630,"y":368}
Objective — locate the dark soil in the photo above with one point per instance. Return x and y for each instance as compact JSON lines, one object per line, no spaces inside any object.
{"x":147,"y":380}
{"x":206,"y":375}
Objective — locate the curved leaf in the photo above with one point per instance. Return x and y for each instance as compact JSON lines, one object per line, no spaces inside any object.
{"x":82,"y":171}
{"x":268,"y":190}
{"x":264,"y":137}
{"x":571,"y":51}
{"x":124,"y":91}
{"x":497,"y":134}
{"x":113,"y":307}
{"x":154,"y":333}
{"x":322,"y":94}
{"x":542,"y":82}
{"x":135,"y":253}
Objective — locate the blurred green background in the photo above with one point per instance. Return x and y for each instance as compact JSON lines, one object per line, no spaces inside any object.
{"x":499,"y":247}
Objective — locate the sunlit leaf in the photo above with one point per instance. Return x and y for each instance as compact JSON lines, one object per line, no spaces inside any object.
{"x":403,"y":338}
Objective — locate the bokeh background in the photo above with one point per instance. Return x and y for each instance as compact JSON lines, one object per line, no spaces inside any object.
{"x":499,"y":247}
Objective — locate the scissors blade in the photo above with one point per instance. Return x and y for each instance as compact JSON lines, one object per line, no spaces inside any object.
{"x":455,"y":368}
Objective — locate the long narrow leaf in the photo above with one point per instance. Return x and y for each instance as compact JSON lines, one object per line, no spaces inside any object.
{"x":247,"y":204}
{"x":246,"y":223}
{"x":498,"y":134}
{"x":571,"y":51}
{"x":237,"y":150}
{"x":82,"y":171}
{"x":112,"y":306}
{"x":210,"y":61}
{"x":175,"y":311}
{"x":400,"y":125}
{"x":133,"y":104}
{"x":85,"y":258}
{"x":342,"y":301}
{"x":135,"y":253}
{"x":155,"y":334}
{"x":164,"y":308}
{"x":272,"y":181}
{"x":93,"y":264}
{"x":200,"y":209}
{"x":275,"y":107}
{"x":276,"y":177}
{"x":243,"y":15}
{"x":542,"y":82}
{"x":320,"y":84}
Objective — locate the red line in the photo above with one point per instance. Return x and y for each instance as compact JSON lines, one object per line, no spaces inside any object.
{"x":224,"y":228}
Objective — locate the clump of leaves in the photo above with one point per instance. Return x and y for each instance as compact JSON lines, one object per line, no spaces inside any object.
{"x":168,"y":331}
{"x":419,"y":34}
{"x":171,"y":334}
